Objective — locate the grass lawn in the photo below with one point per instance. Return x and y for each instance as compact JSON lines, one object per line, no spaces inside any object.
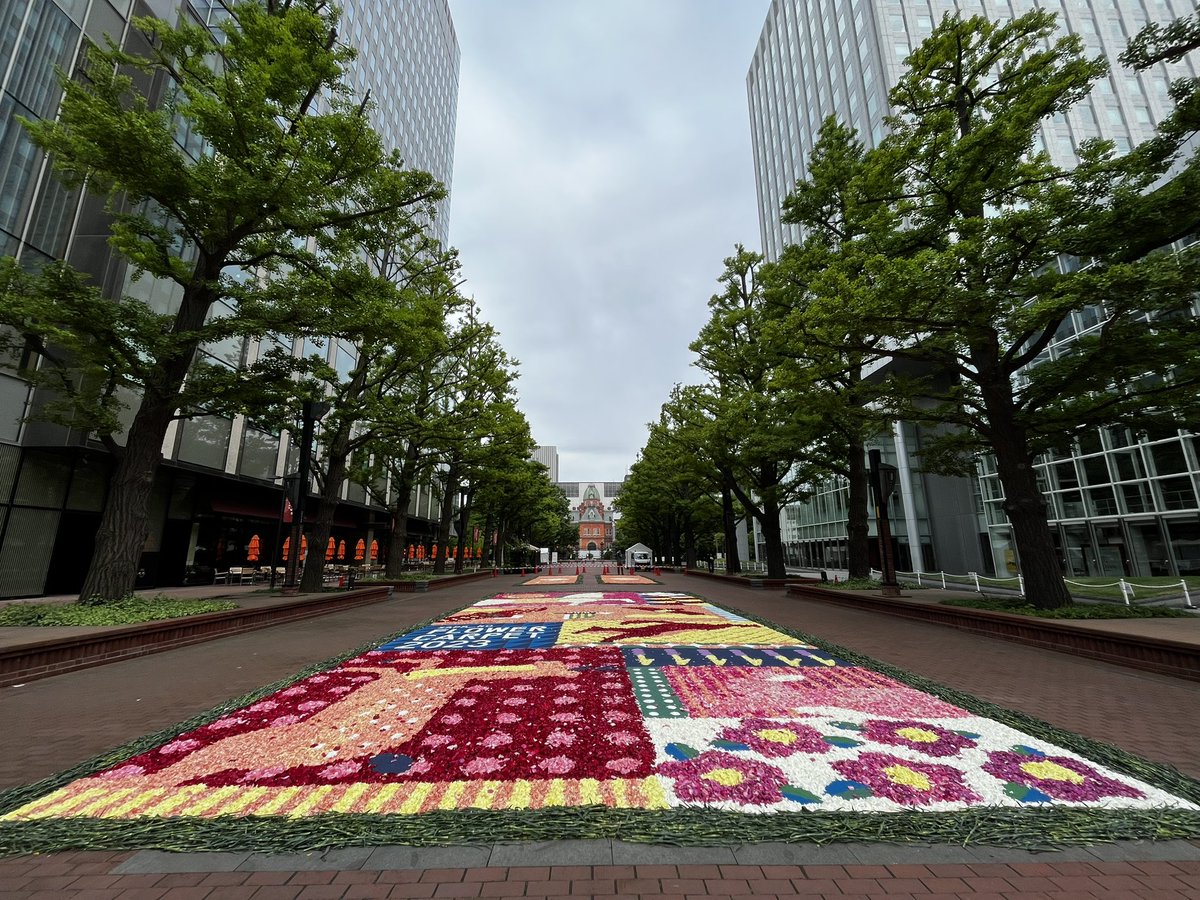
{"x":128,"y":611}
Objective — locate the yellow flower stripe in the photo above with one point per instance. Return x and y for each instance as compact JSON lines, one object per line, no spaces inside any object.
{"x":88,"y":799}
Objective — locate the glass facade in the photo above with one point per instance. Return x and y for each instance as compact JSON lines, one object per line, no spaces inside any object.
{"x":408,"y":60}
{"x":817,"y":58}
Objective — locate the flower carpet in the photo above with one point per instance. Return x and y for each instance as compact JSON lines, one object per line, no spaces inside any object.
{"x":628,"y":711}
{"x":547,"y":580}
{"x":626,"y":579}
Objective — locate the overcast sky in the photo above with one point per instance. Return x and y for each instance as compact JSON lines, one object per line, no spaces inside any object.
{"x":602,"y":173}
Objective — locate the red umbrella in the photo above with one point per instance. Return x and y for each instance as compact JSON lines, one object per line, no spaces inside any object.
{"x":341,"y":549}
{"x":330,"y":550}
{"x":360,"y":549}
{"x":254,"y":549}
{"x":374,"y":550}
{"x":287,"y":546}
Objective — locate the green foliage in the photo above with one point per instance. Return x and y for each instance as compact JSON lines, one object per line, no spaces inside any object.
{"x":129,"y":610}
{"x":1021,"y":606}
{"x":282,"y":183}
{"x":939,"y":252}
{"x":855,"y":584}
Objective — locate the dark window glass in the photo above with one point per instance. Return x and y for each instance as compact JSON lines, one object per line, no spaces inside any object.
{"x":1095,"y":471}
{"x":1178,"y":493}
{"x":1168,"y":458}
{"x":19,"y":162}
{"x":49,"y":41}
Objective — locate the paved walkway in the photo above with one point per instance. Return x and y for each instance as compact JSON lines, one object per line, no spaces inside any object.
{"x":58,"y":722}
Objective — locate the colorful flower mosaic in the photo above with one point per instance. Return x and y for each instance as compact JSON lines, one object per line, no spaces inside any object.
{"x":625,"y":579}
{"x":649,"y":701}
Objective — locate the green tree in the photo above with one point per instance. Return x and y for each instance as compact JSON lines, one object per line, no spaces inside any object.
{"x":292,"y":171}
{"x":766,"y":466}
{"x":706,"y":450}
{"x":668,"y":502}
{"x":972,"y":285}
{"x":823,"y":361}
{"x":482,"y":395}
{"x":393,"y":304}
{"x":1143,"y":222}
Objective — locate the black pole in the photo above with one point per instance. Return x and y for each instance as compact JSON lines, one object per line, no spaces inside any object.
{"x":891,"y":588}
{"x":297,"y":533}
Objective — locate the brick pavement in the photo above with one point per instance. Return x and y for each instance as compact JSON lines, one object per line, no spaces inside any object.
{"x":58,"y":722}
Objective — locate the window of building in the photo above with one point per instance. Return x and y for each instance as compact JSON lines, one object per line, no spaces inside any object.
{"x":1168,"y":457}
{"x":260,"y":449}
{"x":204,"y":441}
{"x":1177,"y":493}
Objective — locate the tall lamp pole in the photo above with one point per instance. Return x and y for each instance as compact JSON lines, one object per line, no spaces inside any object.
{"x":310,"y":412}
{"x":883,"y":482}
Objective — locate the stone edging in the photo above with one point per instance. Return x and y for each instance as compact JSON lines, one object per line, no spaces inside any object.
{"x":1164,"y":657}
{"x":409,"y":586}
{"x":55,"y":656}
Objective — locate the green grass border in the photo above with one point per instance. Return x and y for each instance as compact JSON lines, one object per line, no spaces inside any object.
{"x":1029,"y":828}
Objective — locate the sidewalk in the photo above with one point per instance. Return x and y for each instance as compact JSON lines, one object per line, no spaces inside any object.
{"x":57,"y":722}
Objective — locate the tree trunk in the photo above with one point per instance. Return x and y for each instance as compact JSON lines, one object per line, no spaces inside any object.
{"x":464,"y":518}
{"x":689,"y":547}
{"x":1024,"y":504}
{"x":733,"y":563}
{"x":123,"y":527}
{"x":773,"y":539}
{"x":857,"y":527}
{"x":406,"y":477}
{"x":489,"y":550}
{"x":445,"y":514}
{"x":313,"y":579}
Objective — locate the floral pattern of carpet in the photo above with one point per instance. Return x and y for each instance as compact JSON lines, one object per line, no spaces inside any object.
{"x":546,"y":580}
{"x":626,"y":579}
{"x":651,"y":702}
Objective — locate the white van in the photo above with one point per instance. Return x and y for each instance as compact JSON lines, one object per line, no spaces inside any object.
{"x":638,"y":559}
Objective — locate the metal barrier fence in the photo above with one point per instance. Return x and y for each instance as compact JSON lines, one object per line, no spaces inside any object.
{"x":945,"y":580}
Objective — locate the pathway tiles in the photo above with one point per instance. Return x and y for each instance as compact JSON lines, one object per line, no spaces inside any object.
{"x":91,"y":875}
{"x":656,"y":709}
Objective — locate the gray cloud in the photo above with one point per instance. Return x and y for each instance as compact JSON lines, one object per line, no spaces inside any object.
{"x":602,"y":173}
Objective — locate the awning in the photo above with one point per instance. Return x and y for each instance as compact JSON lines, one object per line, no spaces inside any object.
{"x":250,"y":509}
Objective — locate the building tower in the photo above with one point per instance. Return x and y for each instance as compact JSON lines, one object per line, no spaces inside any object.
{"x":548,"y":457}
{"x":1120,"y":503}
{"x":817,"y":58}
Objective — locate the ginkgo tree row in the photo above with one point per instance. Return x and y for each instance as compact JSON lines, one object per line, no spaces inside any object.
{"x":292,"y":221}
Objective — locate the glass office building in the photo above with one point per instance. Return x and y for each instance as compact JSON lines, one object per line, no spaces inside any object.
{"x":220,"y":486}
{"x":1121,"y":504}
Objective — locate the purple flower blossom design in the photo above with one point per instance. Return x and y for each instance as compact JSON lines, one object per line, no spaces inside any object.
{"x":718,"y":776}
{"x":924,"y":737}
{"x":773,"y":738}
{"x":1059,"y":777}
{"x":907,"y":782}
